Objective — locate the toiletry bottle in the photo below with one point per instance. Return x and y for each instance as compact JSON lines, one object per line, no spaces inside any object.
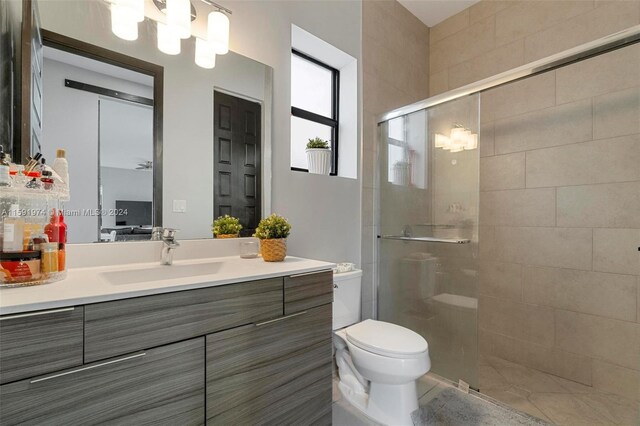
{"x":52,"y":229}
{"x":47,"y":180}
{"x":61,"y":167}
{"x":5,"y":160}
{"x":13,"y":230}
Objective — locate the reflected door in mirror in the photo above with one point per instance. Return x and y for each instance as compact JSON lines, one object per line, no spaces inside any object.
{"x":237,"y":171}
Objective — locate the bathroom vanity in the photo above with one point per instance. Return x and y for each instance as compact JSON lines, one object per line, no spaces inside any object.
{"x":254,"y":348}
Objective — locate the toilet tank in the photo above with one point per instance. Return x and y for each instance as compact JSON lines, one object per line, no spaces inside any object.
{"x":346,"y":298}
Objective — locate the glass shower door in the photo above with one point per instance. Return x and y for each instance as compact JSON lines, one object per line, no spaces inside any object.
{"x":427,"y":257}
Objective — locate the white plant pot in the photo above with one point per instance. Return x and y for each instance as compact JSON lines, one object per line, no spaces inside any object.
{"x":319,"y":160}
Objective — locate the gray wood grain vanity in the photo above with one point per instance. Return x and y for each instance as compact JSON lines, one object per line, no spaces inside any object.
{"x":256,"y":352}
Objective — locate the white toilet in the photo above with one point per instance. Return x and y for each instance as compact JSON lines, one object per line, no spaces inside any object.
{"x":378,"y":362}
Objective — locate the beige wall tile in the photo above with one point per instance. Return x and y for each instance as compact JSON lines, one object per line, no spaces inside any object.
{"x":517,"y":98}
{"x":611,"y":340}
{"x":528,"y":17}
{"x":517,"y":320}
{"x":486,"y":8}
{"x":548,"y":127}
{"x":502,"y":172}
{"x":555,"y":247}
{"x":486,"y":139}
{"x":609,"y":295}
{"x":601,"y":161}
{"x":616,"y":114}
{"x":613,"y":205}
{"x":498,"y":60}
{"x":560,"y":363}
{"x":599,"y":22}
{"x":610,"y":378}
{"x":519,"y":207}
{"x":616,"y":250}
{"x":472,"y":41}
{"x":449,"y":26}
{"x":602,"y":74}
{"x":438,"y":82}
{"x":502,"y":280}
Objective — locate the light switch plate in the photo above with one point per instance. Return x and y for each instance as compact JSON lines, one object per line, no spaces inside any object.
{"x":179,"y":206}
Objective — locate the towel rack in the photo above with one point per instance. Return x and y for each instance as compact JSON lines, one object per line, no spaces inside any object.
{"x":426,"y":239}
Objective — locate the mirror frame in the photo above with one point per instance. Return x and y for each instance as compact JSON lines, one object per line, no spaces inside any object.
{"x":77,"y":47}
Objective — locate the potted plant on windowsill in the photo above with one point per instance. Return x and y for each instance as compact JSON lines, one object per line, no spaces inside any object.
{"x":273,"y":232}
{"x":318,"y":156}
{"x":226,"y":227}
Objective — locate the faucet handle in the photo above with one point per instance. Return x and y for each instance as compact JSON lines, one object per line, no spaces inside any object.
{"x":169,"y":233}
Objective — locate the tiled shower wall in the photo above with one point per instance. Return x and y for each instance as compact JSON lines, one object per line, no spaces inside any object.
{"x":560,"y":222}
{"x":395,"y":49}
{"x":560,"y":186}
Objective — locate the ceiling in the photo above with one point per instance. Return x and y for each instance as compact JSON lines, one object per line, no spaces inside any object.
{"x":432,"y":12}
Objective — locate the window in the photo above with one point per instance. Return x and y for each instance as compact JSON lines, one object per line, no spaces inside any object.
{"x":314,"y":107}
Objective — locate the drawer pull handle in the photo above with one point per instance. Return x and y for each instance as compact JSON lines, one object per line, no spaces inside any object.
{"x":89,"y":367}
{"x":258,"y":324}
{"x":308,"y":273}
{"x":34,"y":314}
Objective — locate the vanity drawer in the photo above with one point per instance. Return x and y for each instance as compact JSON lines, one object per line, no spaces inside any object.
{"x":123,"y":326}
{"x":40,"y":342}
{"x":264,"y":372}
{"x":304,"y":291}
{"x":163,"y":385}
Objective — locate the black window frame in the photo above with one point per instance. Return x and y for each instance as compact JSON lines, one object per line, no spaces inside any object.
{"x":333,"y":122}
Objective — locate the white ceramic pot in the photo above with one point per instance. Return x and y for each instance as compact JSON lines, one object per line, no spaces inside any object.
{"x":319,"y":160}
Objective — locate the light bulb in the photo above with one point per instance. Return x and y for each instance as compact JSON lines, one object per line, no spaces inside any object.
{"x":179,"y":17}
{"x":205,"y":56}
{"x":457,"y":135}
{"x":218,"y":32}
{"x":135,"y":8}
{"x":123,"y":22}
{"x":472,"y":141}
{"x":168,"y":42}
{"x":441,"y":141}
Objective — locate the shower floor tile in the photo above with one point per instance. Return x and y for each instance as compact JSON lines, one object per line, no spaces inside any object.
{"x":551,"y":398}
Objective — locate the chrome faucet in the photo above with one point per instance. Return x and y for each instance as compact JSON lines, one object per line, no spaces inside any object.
{"x":169,"y":245}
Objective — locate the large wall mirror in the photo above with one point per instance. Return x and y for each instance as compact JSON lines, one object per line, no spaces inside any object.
{"x":151,"y":139}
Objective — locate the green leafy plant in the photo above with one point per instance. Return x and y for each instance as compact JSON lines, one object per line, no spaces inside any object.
{"x":226,"y":225}
{"x":317,"y":143}
{"x":273,"y":226}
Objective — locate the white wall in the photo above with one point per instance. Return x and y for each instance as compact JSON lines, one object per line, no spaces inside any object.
{"x":70,"y":121}
{"x":324,"y":211}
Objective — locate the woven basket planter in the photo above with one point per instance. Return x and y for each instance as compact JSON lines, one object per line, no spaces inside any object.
{"x":227,"y":236}
{"x":273,"y":250}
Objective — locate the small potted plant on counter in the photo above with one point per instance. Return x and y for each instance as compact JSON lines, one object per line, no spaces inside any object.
{"x":318,"y":156}
{"x":273,"y":232}
{"x":226,"y":227}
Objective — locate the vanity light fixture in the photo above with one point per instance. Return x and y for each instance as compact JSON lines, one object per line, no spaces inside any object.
{"x":218,"y":32}
{"x":168,"y":41}
{"x":126,"y":14}
{"x":205,"y":54}
{"x":459,"y":139}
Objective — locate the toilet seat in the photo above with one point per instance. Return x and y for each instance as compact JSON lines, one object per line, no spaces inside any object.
{"x":386,"y":339}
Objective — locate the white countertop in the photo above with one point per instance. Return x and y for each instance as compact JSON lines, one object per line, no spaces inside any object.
{"x":91,"y":285}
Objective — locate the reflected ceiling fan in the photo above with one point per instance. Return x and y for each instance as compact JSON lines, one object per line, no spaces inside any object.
{"x":145,"y":165}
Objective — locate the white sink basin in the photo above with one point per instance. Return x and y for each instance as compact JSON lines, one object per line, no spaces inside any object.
{"x":161,"y":273}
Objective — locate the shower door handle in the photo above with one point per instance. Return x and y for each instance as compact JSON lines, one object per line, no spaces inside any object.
{"x":426,"y":239}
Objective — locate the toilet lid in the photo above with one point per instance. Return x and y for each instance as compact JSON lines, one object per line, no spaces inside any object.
{"x":386,"y":339}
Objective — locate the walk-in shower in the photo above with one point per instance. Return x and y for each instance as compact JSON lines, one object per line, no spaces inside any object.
{"x":509,"y":222}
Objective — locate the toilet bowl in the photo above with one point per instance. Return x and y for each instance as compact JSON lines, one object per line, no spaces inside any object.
{"x":378,"y":365}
